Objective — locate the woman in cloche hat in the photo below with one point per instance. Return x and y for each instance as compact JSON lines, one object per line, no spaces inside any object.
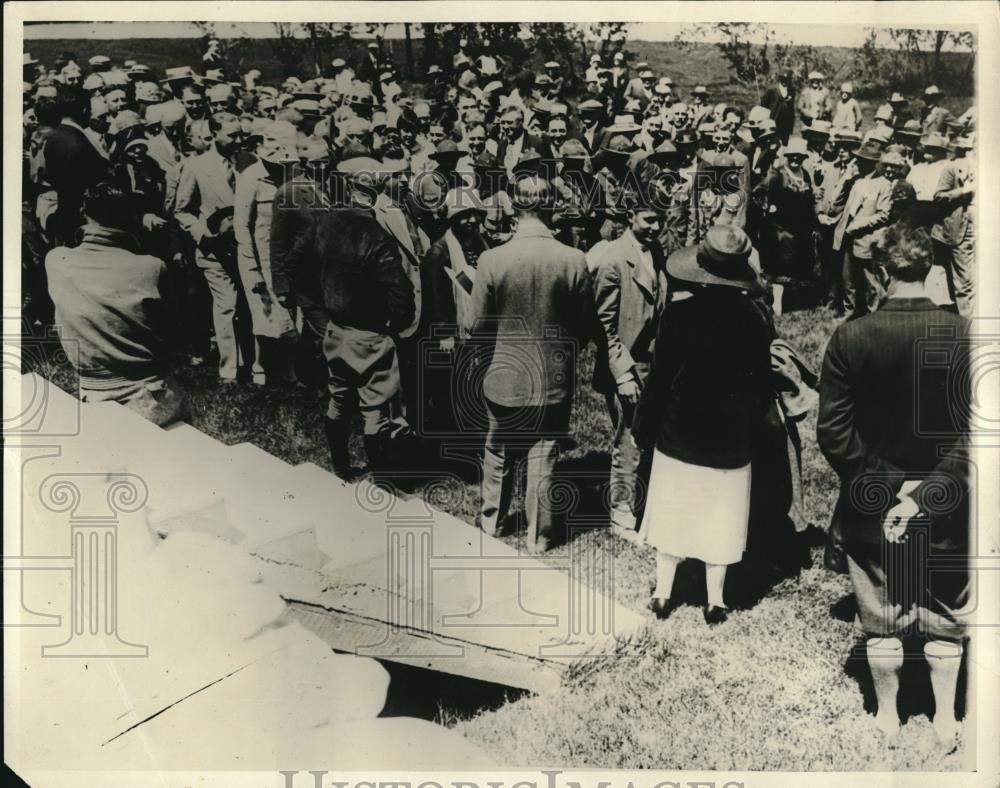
{"x":707,"y":393}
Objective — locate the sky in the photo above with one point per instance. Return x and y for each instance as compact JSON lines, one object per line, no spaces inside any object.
{"x":816,"y":35}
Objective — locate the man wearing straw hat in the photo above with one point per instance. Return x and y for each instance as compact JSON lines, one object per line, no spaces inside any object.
{"x":815,"y":102}
{"x":867,"y":211}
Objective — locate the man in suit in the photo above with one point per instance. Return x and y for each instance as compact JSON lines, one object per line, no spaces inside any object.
{"x":299,"y":202}
{"x":592,"y":132}
{"x":206,"y":191}
{"x":894,"y":424}
{"x":532,"y":308}
{"x":368,"y":300}
{"x":392,"y":213}
{"x":72,"y":165}
{"x":865,"y":213}
{"x":630,"y":289}
{"x":514,"y":140}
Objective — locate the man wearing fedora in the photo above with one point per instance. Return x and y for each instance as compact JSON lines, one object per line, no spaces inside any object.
{"x":532,"y":309}
{"x":615,"y":182}
{"x":630,"y":289}
{"x":815,"y":102}
{"x":866,"y":212}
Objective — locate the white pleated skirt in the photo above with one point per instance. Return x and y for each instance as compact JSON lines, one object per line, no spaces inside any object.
{"x":693,"y":511}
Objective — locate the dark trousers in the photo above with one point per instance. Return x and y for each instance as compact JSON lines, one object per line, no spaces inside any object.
{"x":533,"y":431}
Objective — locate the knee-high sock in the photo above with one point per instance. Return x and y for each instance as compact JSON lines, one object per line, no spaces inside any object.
{"x":944,"y":659}
{"x":885,"y":658}
{"x":715,"y":580}
{"x":666,"y":569}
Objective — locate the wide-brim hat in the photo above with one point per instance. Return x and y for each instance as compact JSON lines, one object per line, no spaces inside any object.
{"x":179,"y":74}
{"x":723,"y":258}
{"x":935,"y":141}
{"x":818,"y":127}
{"x":666,"y":150}
{"x":869,"y":150}
{"x":487,"y":162}
{"x":624,"y":124}
{"x":898,"y":98}
{"x":909,"y":129}
{"x":459,"y":202}
{"x":447,"y":150}
{"x":530,"y":161}
{"x":815,"y":76}
{"x":796,"y":147}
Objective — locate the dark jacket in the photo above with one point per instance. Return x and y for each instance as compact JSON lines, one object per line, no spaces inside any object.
{"x":297,"y":204}
{"x":72,"y":165}
{"x":782,"y":111}
{"x":439,"y":312}
{"x":359,"y":270}
{"x":894,"y":395}
{"x":710,"y":384}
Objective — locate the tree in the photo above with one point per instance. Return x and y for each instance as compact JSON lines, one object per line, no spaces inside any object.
{"x":914,"y":58}
{"x":754,"y":52}
{"x":228,"y":53}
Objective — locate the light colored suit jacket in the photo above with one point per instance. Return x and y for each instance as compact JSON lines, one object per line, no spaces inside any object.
{"x":533,"y":306}
{"x":628,"y":297}
{"x":394,"y":221}
{"x":204,"y":188}
{"x":867,"y":212}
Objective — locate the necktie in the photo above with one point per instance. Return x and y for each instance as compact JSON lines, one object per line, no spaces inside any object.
{"x":230,"y":174}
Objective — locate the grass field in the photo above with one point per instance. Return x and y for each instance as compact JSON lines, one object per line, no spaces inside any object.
{"x":772,"y":688}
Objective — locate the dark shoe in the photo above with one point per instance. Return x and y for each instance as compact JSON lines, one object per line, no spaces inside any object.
{"x":661,"y":606}
{"x":715,"y":614}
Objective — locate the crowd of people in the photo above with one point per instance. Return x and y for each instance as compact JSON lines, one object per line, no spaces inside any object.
{"x":438,"y":258}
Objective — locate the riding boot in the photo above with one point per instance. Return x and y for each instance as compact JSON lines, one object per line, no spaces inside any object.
{"x":337,"y":433}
